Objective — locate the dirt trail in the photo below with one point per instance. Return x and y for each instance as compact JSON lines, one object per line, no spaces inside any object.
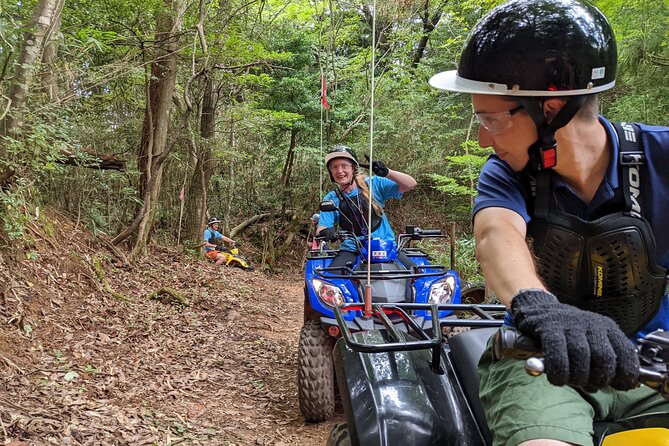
{"x":81,"y":367}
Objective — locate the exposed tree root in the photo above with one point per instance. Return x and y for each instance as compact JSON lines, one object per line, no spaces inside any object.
{"x":173,"y":296}
{"x":97,"y":265}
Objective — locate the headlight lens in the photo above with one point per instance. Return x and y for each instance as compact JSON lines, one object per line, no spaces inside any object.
{"x":329,"y":294}
{"x":441,"y":291}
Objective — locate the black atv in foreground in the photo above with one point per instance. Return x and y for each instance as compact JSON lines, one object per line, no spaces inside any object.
{"x":411,"y":388}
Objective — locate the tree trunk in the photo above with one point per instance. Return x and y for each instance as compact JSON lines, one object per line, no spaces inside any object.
{"x":288,"y":169}
{"x":196,"y":211}
{"x":232,"y":189}
{"x":429,"y":23}
{"x":104,"y":162}
{"x":24,"y":70}
{"x":52,"y":43}
{"x":154,"y":148}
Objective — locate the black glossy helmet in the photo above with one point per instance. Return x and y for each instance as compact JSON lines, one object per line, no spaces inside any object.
{"x":536,"y":48}
{"x":213,"y":220}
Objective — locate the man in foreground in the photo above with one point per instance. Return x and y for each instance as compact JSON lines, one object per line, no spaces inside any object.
{"x":592,"y":201}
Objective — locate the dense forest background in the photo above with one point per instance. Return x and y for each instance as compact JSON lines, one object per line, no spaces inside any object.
{"x":142,"y":118}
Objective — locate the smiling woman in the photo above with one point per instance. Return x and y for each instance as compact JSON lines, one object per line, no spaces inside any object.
{"x":353,"y":197}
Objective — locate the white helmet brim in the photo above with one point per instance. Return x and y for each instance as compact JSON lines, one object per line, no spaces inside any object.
{"x":451,"y":81}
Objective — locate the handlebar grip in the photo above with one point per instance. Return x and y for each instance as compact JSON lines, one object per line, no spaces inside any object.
{"x":430,"y":232}
{"x":510,"y":343}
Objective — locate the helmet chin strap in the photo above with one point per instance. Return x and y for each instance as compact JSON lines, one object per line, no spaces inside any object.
{"x":543,"y":153}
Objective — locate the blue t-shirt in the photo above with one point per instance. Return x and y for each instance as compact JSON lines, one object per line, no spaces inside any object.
{"x":500,"y":186}
{"x":383,"y":190}
{"x":209,"y":233}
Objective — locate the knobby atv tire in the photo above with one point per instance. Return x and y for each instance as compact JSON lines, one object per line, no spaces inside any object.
{"x":339,"y":435}
{"x":315,"y":373}
{"x":473,"y":294}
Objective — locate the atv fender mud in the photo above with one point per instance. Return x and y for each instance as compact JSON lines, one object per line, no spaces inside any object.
{"x":396,"y":398}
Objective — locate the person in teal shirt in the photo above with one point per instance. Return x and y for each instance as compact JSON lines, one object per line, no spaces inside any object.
{"x":352,"y":196}
{"x":212,"y":251}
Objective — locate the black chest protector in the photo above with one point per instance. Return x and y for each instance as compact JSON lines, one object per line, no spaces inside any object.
{"x":354,"y":214}
{"x":606,"y":265}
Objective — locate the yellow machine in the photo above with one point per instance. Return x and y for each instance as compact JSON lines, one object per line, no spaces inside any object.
{"x":232,"y":258}
{"x":643,"y":437}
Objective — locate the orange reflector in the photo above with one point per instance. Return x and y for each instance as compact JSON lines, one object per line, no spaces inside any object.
{"x":333,"y":330}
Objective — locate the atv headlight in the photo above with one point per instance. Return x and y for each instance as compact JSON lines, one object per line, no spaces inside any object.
{"x":329,"y":294}
{"x":441,"y":291}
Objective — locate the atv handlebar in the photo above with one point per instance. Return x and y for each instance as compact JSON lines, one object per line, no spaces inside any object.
{"x":653,"y":352}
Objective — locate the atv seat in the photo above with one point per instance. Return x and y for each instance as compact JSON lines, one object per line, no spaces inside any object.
{"x":466,"y":350}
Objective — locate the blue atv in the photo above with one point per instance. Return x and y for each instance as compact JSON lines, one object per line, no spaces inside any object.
{"x":400,"y":273}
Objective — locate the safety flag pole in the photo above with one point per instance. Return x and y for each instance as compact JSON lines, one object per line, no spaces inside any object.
{"x":368,"y":287}
{"x":326,"y":106}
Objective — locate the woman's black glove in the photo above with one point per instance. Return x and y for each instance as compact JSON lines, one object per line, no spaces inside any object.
{"x":327,"y":234}
{"x":378,"y":167}
{"x":581,"y":348}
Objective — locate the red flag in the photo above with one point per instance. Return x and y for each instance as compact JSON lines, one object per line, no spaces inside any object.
{"x":181,"y":194}
{"x":324,"y":99}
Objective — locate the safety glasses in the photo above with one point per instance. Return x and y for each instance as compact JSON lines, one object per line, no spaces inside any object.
{"x":497,"y":122}
{"x":343,"y":166}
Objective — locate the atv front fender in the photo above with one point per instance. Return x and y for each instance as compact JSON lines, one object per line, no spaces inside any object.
{"x":395,"y":398}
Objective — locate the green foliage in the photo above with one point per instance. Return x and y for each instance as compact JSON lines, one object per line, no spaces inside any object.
{"x":466,"y":264}
{"x":642,"y":33}
{"x":96,"y":39}
{"x":30,"y":157}
{"x":460,"y":178}
{"x":264,"y":62}
{"x":14,"y":205}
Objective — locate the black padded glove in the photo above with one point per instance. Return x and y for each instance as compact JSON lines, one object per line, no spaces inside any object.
{"x":327,"y":234}
{"x":378,"y":167}
{"x":581,"y":348}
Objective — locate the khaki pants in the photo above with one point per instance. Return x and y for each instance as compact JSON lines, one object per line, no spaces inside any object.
{"x":520,"y":407}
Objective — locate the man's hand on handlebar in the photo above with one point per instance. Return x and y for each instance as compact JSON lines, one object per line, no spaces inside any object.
{"x":652,"y":351}
{"x":581,"y":348}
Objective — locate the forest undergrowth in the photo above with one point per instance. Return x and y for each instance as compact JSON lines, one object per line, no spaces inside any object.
{"x":88,"y":358}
